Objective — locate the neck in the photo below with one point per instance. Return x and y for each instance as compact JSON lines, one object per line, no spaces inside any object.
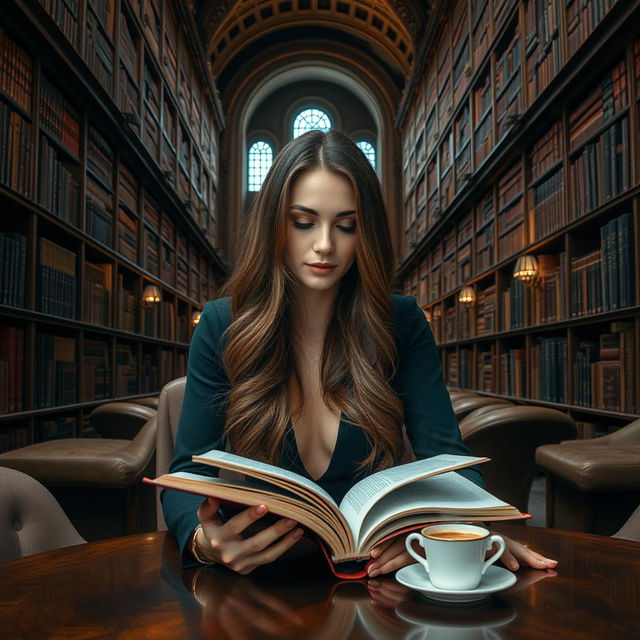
{"x":312,"y":312}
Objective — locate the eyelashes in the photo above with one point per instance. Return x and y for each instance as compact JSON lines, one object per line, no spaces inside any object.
{"x":308,"y":225}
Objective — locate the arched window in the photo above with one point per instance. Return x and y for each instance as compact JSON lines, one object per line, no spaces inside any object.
{"x":369,"y":151}
{"x":260,"y":160}
{"x":310,"y":119}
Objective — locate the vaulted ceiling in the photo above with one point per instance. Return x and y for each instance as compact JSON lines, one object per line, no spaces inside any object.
{"x":235,"y":31}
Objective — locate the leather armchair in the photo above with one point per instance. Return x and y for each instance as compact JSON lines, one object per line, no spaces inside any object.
{"x":169,"y":408}
{"x":97,"y":481}
{"x":463,"y":406}
{"x":509,"y":435}
{"x":593,"y":485}
{"x":121,"y":420}
{"x":31,"y":520}
{"x":151,"y":401}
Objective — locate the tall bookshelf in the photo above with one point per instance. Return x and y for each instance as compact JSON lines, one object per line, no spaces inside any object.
{"x":545,"y":132}
{"x":109,"y":127}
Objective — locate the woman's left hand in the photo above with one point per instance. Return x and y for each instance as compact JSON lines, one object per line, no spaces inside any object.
{"x":392,"y":555}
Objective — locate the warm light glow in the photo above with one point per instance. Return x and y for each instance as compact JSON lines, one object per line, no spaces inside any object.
{"x":526,"y":269}
{"x":195,"y":317}
{"x":427,"y":315}
{"x":151,"y":294}
{"x":467,"y":295}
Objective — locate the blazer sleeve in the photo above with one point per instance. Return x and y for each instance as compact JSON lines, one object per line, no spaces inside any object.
{"x":429,"y":419}
{"x":200,"y":427}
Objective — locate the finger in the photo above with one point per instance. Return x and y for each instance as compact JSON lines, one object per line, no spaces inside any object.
{"x":532,"y":558}
{"x":208,"y":511}
{"x":401,"y":560}
{"x":233,"y":527}
{"x":378,"y":549}
{"x":509,"y":560}
{"x":391,"y":551}
{"x":261,"y":540}
{"x":271,"y":553}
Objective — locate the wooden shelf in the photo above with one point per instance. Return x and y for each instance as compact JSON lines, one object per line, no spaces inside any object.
{"x":110,"y":347}
{"x":506,"y":221}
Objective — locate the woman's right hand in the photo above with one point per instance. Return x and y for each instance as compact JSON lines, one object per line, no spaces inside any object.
{"x":224,"y":544}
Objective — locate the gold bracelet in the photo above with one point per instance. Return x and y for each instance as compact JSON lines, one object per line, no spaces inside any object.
{"x":194,"y":549}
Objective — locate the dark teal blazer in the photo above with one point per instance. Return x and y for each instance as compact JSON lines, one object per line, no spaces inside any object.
{"x":430,"y":422}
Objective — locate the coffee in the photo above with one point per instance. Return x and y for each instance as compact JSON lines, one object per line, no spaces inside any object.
{"x":455,"y":554}
{"x":455,"y":535}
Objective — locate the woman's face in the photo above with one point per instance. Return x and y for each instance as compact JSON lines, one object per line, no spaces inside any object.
{"x":321,"y":228}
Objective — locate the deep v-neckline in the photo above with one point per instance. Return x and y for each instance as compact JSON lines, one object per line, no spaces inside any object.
{"x":333,"y":453}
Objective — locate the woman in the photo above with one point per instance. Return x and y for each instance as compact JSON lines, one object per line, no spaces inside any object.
{"x":309,"y":362}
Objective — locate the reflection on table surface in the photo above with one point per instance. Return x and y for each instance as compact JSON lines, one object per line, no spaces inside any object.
{"x":134,"y":588}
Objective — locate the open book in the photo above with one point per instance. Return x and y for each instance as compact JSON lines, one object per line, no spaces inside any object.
{"x":380,"y":506}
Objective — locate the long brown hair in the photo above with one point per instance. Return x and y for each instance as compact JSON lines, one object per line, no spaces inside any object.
{"x":359,"y":355}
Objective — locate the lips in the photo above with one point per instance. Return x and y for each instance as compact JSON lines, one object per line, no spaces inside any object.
{"x":321,"y":270}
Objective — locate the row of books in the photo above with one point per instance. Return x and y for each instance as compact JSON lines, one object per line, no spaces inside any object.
{"x":11,"y":369}
{"x":543,"y":46}
{"x":16,"y":72}
{"x":97,"y":293}
{"x":57,"y":174}
{"x":604,"y":370}
{"x":601,"y":170}
{"x":548,"y":366}
{"x":15,"y":150}
{"x":95,"y":382}
{"x":58,"y":183}
{"x":55,"y":371}
{"x":608,"y":99}
{"x":545,"y":302}
{"x":13,"y":438}
{"x":12,"y":268}
{"x":602,"y":280}
{"x":56,"y":283}
{"x":583,"y":16}
{"x":159,"y":320}
{"x":54,"y":428}
{"x":58,"y":118}
{"x":513,"y":373}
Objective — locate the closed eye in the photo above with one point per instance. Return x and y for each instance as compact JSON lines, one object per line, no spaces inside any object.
{"x":308,"y":225}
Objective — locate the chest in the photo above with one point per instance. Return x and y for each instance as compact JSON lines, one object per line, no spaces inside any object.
{"x":314,"y":424}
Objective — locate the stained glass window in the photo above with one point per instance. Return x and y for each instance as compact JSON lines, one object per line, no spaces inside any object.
{"x":369,"y":151}
{"x":260,"y":160}
{"x":310,"y":119}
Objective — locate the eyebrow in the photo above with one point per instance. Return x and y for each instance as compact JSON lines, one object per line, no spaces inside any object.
{"x":313,"y":212}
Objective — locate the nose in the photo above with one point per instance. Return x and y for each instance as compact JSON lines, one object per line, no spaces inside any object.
{"x":324,"y":239}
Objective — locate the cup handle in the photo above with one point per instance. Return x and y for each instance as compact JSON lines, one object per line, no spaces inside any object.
{"x":497,"y":554}
{"x":422,"y":560}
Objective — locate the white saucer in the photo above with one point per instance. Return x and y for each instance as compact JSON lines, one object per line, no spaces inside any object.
{"x":494,"y":579}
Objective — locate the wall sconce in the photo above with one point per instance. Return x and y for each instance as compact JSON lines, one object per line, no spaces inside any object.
{"x":195,"y":317}
{"x":467,"y":296}
{"x":526,"y":269}
{"x":151,"y":294}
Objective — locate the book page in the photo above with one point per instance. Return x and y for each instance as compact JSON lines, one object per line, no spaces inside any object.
{"x":447,"y":492}
{"x":362,"y":496}
{"x":261,"y":470}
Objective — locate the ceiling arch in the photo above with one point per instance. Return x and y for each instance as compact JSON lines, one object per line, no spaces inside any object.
{"x":391,"y":26}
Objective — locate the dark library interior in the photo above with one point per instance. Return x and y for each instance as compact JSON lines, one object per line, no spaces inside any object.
{"x":135,"y":136}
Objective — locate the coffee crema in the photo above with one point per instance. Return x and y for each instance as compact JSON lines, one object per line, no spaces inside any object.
{"x":455,"y":535}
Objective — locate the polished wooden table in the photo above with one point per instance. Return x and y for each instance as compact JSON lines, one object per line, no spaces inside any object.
{"x":133,"y":587}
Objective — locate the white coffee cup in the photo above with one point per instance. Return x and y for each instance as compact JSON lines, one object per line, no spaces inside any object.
{"x":455,"y":554}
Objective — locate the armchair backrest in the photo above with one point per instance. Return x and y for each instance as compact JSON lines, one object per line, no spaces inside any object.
{"x":510,"y":435}
{"x":31,"y":520}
